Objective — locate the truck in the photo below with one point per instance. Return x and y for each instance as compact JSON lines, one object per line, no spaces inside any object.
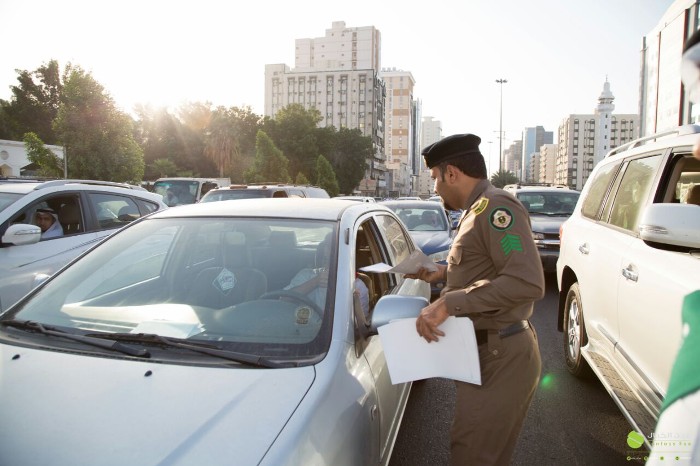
{"x":182,"y":190}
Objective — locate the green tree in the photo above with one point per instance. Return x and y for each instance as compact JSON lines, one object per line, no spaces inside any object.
{"x":230,"y":139}
{"x":50,"y":165}
{"x":163,"y":135}
{"x":269,"y":164}
{"x":502,"y":178}
{"x":97,"y":137}
{"x":34,"y":104}
{"x":349,"y":157}
{"x":301,"y":179}
{"x":325,"y":177}
{"x":162,"y":168}
{"x":294,"y":131}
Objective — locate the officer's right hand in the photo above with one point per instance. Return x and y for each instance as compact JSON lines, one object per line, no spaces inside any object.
{"x":429,"y":276}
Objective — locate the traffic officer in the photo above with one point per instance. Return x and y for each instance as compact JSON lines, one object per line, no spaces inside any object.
{"x":494,"y":275}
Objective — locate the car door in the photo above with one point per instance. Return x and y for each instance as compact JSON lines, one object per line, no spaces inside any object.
{"x":651,"y":284}
{"x":25,"y":266}
{"x":388,"y":243}
{"x":595,"y":259}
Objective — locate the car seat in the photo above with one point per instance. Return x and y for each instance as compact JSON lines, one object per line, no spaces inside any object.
{"x":69,"y":216}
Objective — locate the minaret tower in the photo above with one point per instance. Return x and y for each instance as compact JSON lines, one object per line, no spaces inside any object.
{"x":603,"y":123}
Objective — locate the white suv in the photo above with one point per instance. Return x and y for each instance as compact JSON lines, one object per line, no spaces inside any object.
{"x":87,"y":211}
{"x":630,"y":253}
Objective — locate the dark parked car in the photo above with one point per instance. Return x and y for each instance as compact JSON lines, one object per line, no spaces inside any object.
{"x":430,"y":227}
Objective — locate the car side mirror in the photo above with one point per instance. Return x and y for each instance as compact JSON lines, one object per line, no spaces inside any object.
{"x":672,"y":225}
{"x":393,"y":307}
{"x":21,"y":234}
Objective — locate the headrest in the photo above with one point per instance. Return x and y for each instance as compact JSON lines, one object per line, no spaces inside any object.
{"x":693,"y":195}
{"x":283,"y":239}
{"x":69,"y":213}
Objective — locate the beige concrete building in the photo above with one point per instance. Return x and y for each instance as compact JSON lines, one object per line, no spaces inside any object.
{"x":548,"y":157}
{"x":338,"y":75}
{"x":14,"y":161}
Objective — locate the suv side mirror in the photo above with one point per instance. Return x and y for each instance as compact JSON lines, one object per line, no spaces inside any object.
{"x":671,"y":224}
{"x":21,"y":234}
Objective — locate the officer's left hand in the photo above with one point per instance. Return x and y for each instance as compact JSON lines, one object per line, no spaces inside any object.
{"x":430,"y":318}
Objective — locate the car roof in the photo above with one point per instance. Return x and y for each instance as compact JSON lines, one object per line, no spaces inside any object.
{"x":302,"y":208}
{"x":18,"y":188}
{"x":544,"y":189}
{"x":679,"y":136}
{"x":413,"y":204}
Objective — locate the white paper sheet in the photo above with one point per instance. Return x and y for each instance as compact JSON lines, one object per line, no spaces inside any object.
{"x":409,"y":357}
{"x":411,"y":264}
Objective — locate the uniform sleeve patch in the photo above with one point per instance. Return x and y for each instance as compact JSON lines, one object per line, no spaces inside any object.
{"x":501,"y":218}
{"x":480,"y":205}
{"x":511,"y":243}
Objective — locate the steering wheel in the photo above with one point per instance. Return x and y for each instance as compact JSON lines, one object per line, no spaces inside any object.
{"x":298,"y":297}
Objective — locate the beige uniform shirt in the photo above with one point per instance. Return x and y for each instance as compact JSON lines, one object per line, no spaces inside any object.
{"x":494,"y":272}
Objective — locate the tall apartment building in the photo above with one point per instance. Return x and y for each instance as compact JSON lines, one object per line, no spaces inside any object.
{"x":533,"y":138}
{"x":338,"y":75}
{"x":663,"y":103}
{"x":400,"y":141}
{"x":431,"y":132}
{"x":584,"y":139}
{"x":512,"y":157}
{"x":548,"y":159}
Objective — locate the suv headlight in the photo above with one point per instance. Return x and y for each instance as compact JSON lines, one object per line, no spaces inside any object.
{"x":440,"y":256}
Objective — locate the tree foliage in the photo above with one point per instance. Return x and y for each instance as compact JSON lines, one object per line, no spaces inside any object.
{"x":502,"y":178}
{"x":294,"y":132}
{"x":98,"y":138}
{"x":50,"y":165}
{"x":325,"y":176}
{"x":34,"y":104}
{"x":269,"y":164}
{"x":349,"y":157}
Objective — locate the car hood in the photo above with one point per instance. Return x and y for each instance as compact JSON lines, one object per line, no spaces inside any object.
{"x":60,"y":408}
{"x":546,"y":224}
{"x":431,"y":242}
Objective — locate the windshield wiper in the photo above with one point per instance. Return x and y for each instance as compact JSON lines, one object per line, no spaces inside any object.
{"x":242,"y":358}
{"x":88,"y":340}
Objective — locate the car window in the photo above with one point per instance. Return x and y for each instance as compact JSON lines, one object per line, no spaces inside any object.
{"x":550,"y":202}
{"x":599,"y":188}
{"x":684,"y":181}
{"x":7,"y":199}
{"x":113,"y":211}
{"x":67,"y":209}
{"x":633,"y":192}
{"x":396,"y":241}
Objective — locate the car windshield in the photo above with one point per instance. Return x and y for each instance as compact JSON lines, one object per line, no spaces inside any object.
{"x":7,"y":199}
{"x":227,"y":194}
{"x":231,"y":283}
{"x":176,"y":192}
{"x":558,"y":203}
{"x":425,"y":216}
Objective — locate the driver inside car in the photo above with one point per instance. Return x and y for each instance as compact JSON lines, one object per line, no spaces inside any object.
{"x":313,"y":282}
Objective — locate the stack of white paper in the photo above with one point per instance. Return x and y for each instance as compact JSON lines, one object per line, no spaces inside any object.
{"x":409,"y":357}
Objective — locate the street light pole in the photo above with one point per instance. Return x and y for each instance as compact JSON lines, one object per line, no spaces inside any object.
{"x":500,"y":128}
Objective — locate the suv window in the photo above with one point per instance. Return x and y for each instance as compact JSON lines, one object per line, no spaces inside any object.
{"x":113,"y":211}
{"x":599,"y":187}
{"x":633,"y":192}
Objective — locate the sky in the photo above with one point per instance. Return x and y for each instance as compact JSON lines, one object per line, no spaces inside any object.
{"x":554,"y":54}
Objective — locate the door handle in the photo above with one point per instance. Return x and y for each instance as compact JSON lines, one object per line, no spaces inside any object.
{"x":583,"y":249}
{"x":630,"y":274}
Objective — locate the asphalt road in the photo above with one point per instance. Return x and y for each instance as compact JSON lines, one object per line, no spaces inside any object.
{"x":571,"y":421}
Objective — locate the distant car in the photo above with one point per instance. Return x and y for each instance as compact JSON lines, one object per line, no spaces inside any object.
{"x":549,"y":207}
{"x":454,"y":215}
{"x":182,"y":190}
{"x":251,"y":191}
{"x":430,"y":227}
{"x":357,"y":198}
{"x":175,"y":342}
{"x":408,"y":198}
{"x":88,"y":211}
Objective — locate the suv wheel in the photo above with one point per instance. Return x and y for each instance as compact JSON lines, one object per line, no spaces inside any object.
{"x":575,"y":334}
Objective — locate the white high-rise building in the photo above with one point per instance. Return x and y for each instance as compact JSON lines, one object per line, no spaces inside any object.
{"x":548,"y":158}
{"x":431,"y":132}
{"x":533,"y":138}
{"x":663,"y":104}
{"x":584,"y":139}
{"x":338,"y":75}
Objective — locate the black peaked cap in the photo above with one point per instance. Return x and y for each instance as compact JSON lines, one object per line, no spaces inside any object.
{"x":451,"y":147}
